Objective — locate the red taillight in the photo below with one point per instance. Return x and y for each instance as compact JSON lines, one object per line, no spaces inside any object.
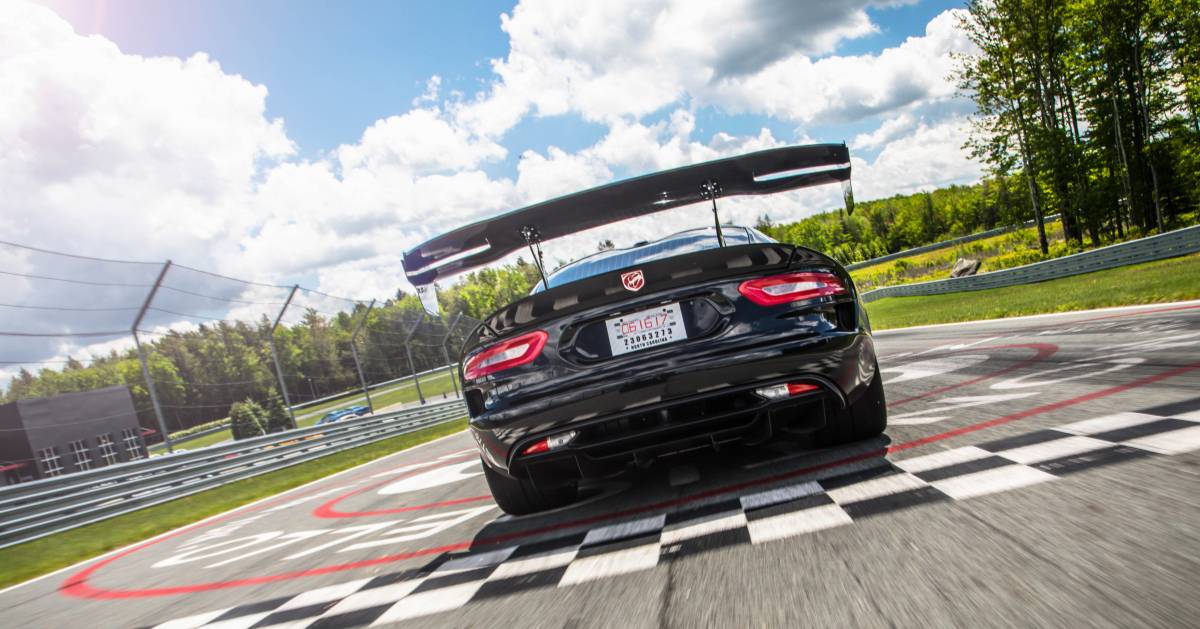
{"x":789,"y":287}
{"x":550,"y":443}
{"x":797,"y":389}
{"x":506,"y":355}
{"x":787,"y":390}
{"x":538,"y":447}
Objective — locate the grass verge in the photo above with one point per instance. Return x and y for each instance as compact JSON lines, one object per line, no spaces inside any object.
{"x":433,"y":387}
{"x":1176,"y":279}
{"x":41,"y":556}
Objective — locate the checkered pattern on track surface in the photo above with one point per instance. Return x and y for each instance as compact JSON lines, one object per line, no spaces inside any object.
{"x":454,"y":580}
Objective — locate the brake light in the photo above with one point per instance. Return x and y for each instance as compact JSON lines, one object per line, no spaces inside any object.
{"x":549,"y":443}
{"x":781,"y":391}
{"x":796,"y":389}
{"x":506,"y":355}
{"x":789,"y":287}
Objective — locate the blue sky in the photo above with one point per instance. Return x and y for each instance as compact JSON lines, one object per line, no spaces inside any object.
{"x":332,"y":69}
{"x":314,"y":142}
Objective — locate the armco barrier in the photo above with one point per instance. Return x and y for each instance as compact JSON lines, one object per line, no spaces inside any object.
{"x":953,"y":242}
{"x":32,"y":510}
{"x":1169,"y":245}
{"x":348,"y":395}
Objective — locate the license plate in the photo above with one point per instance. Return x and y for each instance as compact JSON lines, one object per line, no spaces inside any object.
{"x":645,"y":329}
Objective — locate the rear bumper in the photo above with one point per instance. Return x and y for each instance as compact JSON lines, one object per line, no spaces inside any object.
{"x":701,"y":403}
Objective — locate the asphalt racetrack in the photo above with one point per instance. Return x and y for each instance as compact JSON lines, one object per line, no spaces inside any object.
{"x":1042,"y":471}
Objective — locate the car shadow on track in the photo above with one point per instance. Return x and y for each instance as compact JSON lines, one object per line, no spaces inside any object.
{"x":710,"y":477}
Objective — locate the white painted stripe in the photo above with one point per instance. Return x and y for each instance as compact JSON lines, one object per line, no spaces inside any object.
{"x":991,"y":481}
{"x":783,"y":494}
{"x":406,"y":468}
{"x":192,"y":622}
{"x":225,"y":514}
{"x":945,"y":458}
{"x":1172,"y":442}
{"x":473,"y":561}
{"x":705,"y":526}
{"x":1047,"y":450}
{"x":624,"y":529}
{"x":611,"y":564}
{"x":291,"y":624}
{"x":324,"y":595}
{"x":375,"y":597}
{"x":241,"y":622}
{"x":797,"y":523}
{"x":534,"y":563}
{"x":1106,"y":423}
{"x":876,"y":487}
{"x":1192,"y":416}
{"x":431,"y":602}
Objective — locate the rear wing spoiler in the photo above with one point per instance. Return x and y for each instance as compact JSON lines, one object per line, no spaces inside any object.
{"x":762,"y":172}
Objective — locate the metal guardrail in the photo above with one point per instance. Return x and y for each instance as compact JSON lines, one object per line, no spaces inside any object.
{"x":349,"y":395}
{"x":1169,"y":245}
{"x":44,"y":507}
{"x":371,"y":387}
{"x":953,"y":242}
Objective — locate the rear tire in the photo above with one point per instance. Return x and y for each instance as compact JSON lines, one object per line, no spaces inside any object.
{"x":864,"y":419}
{"x":520,"y":497}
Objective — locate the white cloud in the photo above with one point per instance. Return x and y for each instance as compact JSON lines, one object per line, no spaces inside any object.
{"x":119,"y":155}
{"x":851,"y":88}
{"x":420,"y":141}
{"x":929,"y":157}
{"x":628,"y":59}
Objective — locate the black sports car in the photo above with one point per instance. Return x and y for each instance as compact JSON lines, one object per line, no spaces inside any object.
{"x":704,"y":338}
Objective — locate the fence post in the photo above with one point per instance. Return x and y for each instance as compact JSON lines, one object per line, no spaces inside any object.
{"x":162,"y":424}
{"x":446,"y":353}
{"x":408,"y":349}
{"x":275,"y":355}
{"x":354,"y":352}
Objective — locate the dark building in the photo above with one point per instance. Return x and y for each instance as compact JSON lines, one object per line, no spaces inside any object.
{"x":43,"y":437}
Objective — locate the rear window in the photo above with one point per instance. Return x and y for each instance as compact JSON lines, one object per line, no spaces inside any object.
{"x":679,"y":244}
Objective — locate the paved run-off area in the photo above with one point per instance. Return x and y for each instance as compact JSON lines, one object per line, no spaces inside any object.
{"x":1042,"y":471}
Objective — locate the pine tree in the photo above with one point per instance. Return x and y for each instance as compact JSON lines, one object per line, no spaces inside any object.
{"x":277,"y":417}
{"x":246,"y":420}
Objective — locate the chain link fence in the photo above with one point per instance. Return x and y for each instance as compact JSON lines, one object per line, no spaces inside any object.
{"x":188,"y":344}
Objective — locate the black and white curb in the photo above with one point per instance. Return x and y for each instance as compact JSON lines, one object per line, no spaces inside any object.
{"x":454,"y":580}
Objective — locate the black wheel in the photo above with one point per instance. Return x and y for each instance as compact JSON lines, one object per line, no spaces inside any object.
{"x":519,"y":497}
{"x":866,"y":417}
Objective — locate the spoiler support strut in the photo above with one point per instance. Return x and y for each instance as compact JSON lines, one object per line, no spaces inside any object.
{"x":711,"y":189}
{"x":533,"y":239}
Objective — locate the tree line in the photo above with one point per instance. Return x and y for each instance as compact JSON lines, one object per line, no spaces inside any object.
{"x":1086,"y":108}
{"x":201,"y":372}
{"x":900,"y":222}
{"x":1094,"y":103}
{"x":1089,"y":109}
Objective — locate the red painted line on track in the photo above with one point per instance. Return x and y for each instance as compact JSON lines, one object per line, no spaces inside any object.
{"x":1044,"y":351}
{"x":329,"y":508}
{"x":328,"y":511}
{"x":1045,"y":408}
{"x":77,"y":584}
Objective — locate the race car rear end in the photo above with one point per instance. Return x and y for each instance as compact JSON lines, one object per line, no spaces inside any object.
{"x":662,"y":350}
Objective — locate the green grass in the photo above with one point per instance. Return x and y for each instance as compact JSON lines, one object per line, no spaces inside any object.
{"x":997,"y":252}
{"x":1175,"y":279}
{"x":431,"y":386}
{"x":38,"y":557}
